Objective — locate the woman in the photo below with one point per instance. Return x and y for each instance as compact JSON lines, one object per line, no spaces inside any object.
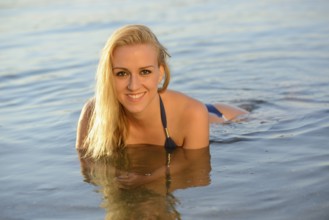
{"x":132,"y":104}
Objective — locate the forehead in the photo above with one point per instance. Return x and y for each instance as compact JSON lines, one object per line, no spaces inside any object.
{"x":134,"y":52}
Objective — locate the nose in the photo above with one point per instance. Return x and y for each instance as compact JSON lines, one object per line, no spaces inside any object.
{"x":134,"y":82}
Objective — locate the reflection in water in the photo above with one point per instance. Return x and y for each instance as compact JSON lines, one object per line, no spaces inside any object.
{"x":137,"y":184}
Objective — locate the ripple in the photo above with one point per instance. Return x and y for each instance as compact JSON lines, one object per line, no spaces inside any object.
{"x":269,"y":57}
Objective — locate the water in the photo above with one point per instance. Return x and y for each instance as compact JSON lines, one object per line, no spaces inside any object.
{"x":270,"y":57}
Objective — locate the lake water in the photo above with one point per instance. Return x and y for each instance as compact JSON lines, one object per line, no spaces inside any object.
{"x":270,"y":57}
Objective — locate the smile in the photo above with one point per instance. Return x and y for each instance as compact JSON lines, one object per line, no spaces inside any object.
{"x":136,"y":97}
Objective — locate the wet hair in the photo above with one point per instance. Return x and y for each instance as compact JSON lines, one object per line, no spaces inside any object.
{"x":108,"y":127}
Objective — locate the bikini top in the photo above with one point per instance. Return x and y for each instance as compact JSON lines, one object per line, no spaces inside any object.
{"x":169,"y":145}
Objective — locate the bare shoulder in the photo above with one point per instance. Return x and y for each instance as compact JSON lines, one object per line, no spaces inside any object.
{"x":186,"y":105}
{"x":193,"y":119}
{"x":89,"y":106}
{"x":83,"y":123}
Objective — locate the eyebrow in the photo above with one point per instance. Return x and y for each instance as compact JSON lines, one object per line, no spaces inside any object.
{"x":144,"y":67}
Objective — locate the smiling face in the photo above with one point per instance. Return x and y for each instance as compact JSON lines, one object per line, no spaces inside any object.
{"x":137,"y":74}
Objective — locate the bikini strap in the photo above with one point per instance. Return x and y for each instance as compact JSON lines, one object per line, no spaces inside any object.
{"x":163,"y":117}
{"x":169,"y":143}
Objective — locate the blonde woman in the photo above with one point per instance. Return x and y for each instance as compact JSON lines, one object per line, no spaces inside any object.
{"x":132,"y":104}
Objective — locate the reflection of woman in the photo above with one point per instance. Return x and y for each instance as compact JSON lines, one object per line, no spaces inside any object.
{"x":146,"y":196}
{"x":129,"y":108}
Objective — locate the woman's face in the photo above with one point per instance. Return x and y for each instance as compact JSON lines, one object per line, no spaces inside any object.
{"x":136,"y":75}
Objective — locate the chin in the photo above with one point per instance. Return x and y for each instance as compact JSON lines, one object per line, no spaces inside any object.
{"x":137,"y":105}
{"x":134,"y":109}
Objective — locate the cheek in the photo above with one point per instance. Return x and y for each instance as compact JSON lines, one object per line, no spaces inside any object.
{"x":152,"y":82}
{"x":156,"y":78}
{"x":120,"y":85}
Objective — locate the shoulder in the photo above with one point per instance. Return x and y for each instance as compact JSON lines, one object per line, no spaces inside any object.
{"x":191,"y":117}
{"x":188,"y":106}
{"x":194,"y":115}
{"x":87,"y":111}
{"x":83,"y":123}
{"x":88,"y":108}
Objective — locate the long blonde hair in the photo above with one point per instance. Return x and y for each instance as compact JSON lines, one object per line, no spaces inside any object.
{"x":108,"y":126}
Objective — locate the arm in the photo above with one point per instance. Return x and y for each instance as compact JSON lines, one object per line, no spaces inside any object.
{"x":83,"y":124}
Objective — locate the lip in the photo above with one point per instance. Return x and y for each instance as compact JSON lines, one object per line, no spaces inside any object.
{"x":135,"y":97}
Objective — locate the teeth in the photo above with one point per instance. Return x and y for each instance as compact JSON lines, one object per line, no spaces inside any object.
{"x":136,"y":96}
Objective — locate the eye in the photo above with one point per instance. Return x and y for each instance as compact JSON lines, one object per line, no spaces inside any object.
{"x":121,"y":74}
{"x":145,"y":72}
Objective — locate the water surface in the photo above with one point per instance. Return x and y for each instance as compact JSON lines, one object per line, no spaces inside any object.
{"x":269,"y":57}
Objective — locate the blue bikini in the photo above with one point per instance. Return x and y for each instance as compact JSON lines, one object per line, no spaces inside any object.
{"x":214,"y":110}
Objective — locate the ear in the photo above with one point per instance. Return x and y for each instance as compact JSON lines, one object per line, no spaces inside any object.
{"x":162,"y":73}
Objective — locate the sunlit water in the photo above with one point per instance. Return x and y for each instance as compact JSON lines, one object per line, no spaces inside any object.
{"x":270,"y":57}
